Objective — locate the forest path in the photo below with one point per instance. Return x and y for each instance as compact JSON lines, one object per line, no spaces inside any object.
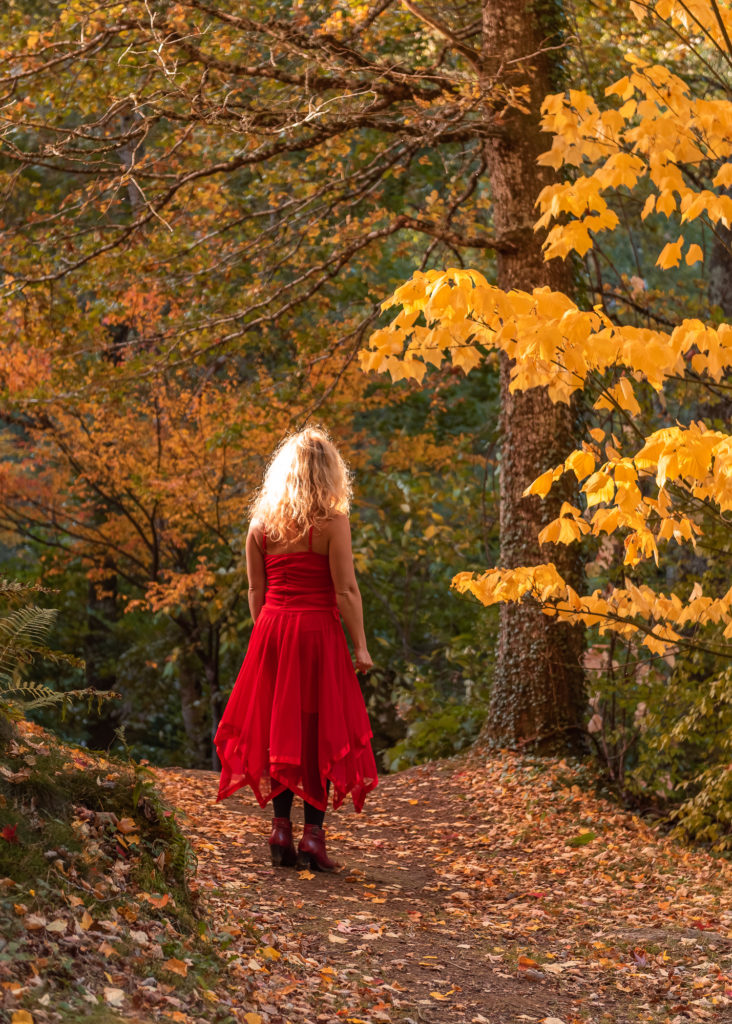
{"x":472,"y":891}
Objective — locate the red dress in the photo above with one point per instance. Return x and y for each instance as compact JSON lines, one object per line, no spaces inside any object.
{"x":296,"y":714}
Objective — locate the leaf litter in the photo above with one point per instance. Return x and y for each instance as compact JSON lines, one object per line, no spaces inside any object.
{"x":481,"y":889}
{"x":477,"y":890}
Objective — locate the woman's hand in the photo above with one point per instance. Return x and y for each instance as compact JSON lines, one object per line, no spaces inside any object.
{"x":363,"y":659}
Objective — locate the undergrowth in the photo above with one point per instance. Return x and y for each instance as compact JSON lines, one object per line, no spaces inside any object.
{"x":96,"y":878}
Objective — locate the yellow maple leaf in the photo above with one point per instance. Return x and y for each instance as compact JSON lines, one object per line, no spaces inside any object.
{"x":670,"y":255}
{"x":542,"y":485}
{"x":466,"y":357}
{"x":694,"y":254}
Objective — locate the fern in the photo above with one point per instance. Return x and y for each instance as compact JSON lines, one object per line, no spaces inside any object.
{"x":23,"y":632}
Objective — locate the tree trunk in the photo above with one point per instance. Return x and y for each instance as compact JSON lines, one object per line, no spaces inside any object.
{"x":538,"y":694}
{"x":215,"y":696}
{"x":193,"y":709}
{"x":720,"y":268}
{"x":100,"y":656}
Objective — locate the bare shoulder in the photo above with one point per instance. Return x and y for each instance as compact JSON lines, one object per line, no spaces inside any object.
{"x":255,"y":531}
{"x":338,"y":525}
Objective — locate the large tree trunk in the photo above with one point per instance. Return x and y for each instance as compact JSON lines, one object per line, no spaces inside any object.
{"x":538,"y":693}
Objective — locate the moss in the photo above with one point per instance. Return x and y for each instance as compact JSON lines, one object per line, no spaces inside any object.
{"x":44,"y":795}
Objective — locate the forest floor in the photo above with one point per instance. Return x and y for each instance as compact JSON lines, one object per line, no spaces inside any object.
{"x":474,"y":890}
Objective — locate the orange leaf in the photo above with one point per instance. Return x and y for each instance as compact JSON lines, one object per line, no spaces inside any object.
{"x":156,"y":901}
{"x":176,"y":966}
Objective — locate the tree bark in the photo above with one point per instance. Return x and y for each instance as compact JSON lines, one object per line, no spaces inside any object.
{"x":193,"y":709}
{"x":538,"y":695}
{"x":215,"y":696}
{"x":720,"y":268}
{"x":100,"y":655}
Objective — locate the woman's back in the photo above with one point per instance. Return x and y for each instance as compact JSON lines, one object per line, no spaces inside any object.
{"x":298,"y":578}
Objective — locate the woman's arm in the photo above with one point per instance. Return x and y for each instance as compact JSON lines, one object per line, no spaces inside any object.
{"x":348,"y":596}
{"x":255,"y":572}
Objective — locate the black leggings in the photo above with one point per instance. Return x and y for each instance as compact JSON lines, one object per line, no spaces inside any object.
{"x":282,"y":805}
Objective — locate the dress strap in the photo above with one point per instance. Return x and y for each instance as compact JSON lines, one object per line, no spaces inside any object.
{"x":264,"y":540}
{"x":310,"y":539}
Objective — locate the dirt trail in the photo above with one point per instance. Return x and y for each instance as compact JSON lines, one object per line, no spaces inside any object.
{"x":478,"y":890}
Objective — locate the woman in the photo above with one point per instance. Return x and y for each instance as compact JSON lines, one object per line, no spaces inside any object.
{"x":296,"y":721}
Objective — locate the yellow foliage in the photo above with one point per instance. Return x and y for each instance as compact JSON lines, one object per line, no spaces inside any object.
{"x":658,"y":135}
{"x":655,"y":618}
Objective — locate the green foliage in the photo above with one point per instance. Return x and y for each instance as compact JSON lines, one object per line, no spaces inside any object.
{"x":24,"y":629}
{"x":434,"y":733}
{"x":426,"y":503}
{"x":662,"y":734}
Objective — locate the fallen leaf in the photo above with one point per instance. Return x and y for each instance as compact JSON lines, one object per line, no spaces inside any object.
{"x":86,"y":921}
{"x":525,"y":962}
{"x":270,"y":953}
{"x":8,"y":834}
{"x":176,"y":966}
{"x":58,"y":926}
{"x":114,"y":996}
{"x":156,"y":901}
{"x":582,"y":839}
{"x":126,"y":825}
{"x":21,"y":1017}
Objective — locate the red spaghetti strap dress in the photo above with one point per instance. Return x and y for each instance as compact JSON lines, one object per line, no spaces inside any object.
{"x":296,"y":716}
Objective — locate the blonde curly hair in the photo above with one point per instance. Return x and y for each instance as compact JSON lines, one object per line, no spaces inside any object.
{"x":305,"y":482}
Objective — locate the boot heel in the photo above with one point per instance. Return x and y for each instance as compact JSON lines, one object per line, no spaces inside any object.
{"x":311,"y":851}
{"x":304,"y":862}
{"x":282,"y":850}
{"x":282,"y":856}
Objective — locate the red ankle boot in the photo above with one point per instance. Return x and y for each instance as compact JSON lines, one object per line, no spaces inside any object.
{"x":281,"y":845}
{"x":311,"y":850}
